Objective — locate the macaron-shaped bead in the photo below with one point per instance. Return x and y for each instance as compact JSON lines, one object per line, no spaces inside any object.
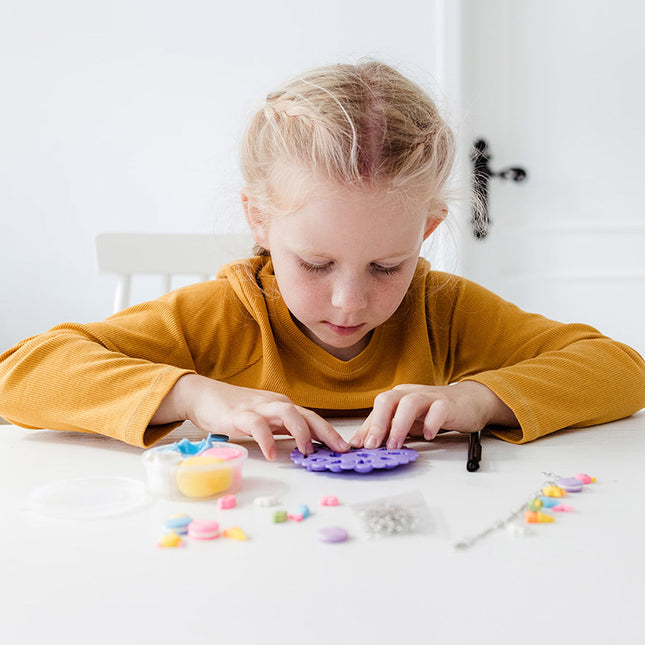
{"x":563,"y":508}
{"x":177,"y":523}
{"x":201,"y":477}
{"x":203,"y":529}
{"x":332,"y":534}
{"x":227,"y":501}
{"x":170,"y":540}
{"x":329,"y":500}
{"x":553,"y":491}
{"x":570,"y":484}
{"x":235,"y":533}
{"x":279,"y":517}
{"x":585,"y":479}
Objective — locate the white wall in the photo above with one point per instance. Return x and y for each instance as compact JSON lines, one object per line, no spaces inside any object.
{"x":125,"y":115}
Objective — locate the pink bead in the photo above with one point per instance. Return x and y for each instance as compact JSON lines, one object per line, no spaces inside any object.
{"x":297,"y":517}
{"x":562,"y":508}
{"x":584,"y":478}
{"x":228,"y":501}
{"x":329,"y":500}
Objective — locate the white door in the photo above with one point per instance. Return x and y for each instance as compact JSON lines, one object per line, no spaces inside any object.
{"x":556,"y":87}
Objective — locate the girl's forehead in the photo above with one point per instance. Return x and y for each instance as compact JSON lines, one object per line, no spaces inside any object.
{"x":293,"y":185}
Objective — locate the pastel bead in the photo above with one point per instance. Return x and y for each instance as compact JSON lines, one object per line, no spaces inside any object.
{"x":296,"y":517}
{"x":203,"y":529}
{"x":570,"y":484}
{"x":200,"y":476}
{"x":279,"y":517}
{"x":303,"y":510}
{"x":537,"y":517}
{"x":535,"y":504}
{"x":177,"y":524}
{"x":235,"y":533}
{"x":553,"y":491}
{"x":548,"y":502}
{"x":563,"y":508}
{"x":332,"y":534}
{"x":584,"y":478}
{"x":516,"y":529}
{"x":329,"y":500}
{"x":170,"y":540}
{"x":265,"y":501}
{"x":227,"y":501}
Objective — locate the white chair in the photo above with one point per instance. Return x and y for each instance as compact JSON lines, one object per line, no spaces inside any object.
{"x":128,"y":254}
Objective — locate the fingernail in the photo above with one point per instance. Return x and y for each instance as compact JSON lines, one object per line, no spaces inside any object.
{"x":273,"y":453}
{"x":393,"y":444}
{"x":371,"y":442}
{"x":355,"y":442}
{"x":309,"y":448}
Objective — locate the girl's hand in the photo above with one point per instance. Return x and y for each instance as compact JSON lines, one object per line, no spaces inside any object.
{"x":423,"y":410}
{"x":218,"y":407}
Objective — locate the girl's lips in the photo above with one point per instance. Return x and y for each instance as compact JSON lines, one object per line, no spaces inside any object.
{"x":343,"y":331}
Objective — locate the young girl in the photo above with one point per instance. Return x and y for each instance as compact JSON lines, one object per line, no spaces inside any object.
{"x":346,"y":170}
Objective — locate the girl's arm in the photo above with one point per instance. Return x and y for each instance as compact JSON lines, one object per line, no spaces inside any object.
{"x":524,"y":375}
{"x":219,"y":407}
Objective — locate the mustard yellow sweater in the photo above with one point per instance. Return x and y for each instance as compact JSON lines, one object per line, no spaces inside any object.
{"x":109,"y":377}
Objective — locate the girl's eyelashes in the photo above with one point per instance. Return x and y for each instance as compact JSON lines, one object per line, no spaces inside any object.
{"x":315,"y":268}
{"x":378,"y":269}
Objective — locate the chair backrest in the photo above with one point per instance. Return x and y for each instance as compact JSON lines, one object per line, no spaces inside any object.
{"x":128,"y":254}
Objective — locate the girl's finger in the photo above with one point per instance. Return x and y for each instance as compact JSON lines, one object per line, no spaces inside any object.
{"x":287,"y":416}
{"x":253,"y":424}
{"x":435,"y":419}
{"x":358,"y":439}
{"x":381,"y":417}
{"x":410,"y":408}
{"x":324,"y":431}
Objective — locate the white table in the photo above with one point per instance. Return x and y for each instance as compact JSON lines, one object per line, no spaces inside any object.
{"x":105,"y":581}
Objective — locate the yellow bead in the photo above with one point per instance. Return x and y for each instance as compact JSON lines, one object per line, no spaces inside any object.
{"x":169,"y":540}
{"x":235,"y":533}
{"x":554,"y":491}
{"x":201,"y":476}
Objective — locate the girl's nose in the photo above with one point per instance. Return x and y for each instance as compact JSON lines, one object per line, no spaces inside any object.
{"x":349,"y":295}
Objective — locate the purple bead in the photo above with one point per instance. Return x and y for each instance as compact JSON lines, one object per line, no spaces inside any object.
{"x":332,"y":534}
{"x":570,"y":484}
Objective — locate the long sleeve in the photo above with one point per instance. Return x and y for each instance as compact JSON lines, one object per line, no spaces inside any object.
{"x":551,"y":375}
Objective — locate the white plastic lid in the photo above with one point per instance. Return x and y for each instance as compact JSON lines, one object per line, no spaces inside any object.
{"x":88,"y":498}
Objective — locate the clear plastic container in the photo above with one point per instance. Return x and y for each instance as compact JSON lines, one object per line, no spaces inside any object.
{"x":213,"y":472}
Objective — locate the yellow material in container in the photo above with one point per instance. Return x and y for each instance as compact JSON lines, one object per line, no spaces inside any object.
{"x":203,"y":477}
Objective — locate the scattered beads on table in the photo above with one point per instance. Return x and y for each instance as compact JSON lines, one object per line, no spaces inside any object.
{"x":227,"y":501}
{"x":279,"y":517}
{"x":332,"y":534}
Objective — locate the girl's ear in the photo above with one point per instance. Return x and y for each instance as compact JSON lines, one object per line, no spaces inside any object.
{"x":432,"y":221}
{"x":256,"y":220}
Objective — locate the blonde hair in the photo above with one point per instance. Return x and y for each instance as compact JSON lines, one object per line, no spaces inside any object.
{"x":352,"y":125}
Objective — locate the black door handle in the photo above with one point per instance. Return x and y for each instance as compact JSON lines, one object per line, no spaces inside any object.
{"x":481,"y":172}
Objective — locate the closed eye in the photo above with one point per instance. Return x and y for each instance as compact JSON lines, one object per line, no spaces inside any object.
{"x":379,"y":269}
{"x":315,"y":268}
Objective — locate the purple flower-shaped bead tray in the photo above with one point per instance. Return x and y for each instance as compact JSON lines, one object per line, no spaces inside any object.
{"x":361,"y":460}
